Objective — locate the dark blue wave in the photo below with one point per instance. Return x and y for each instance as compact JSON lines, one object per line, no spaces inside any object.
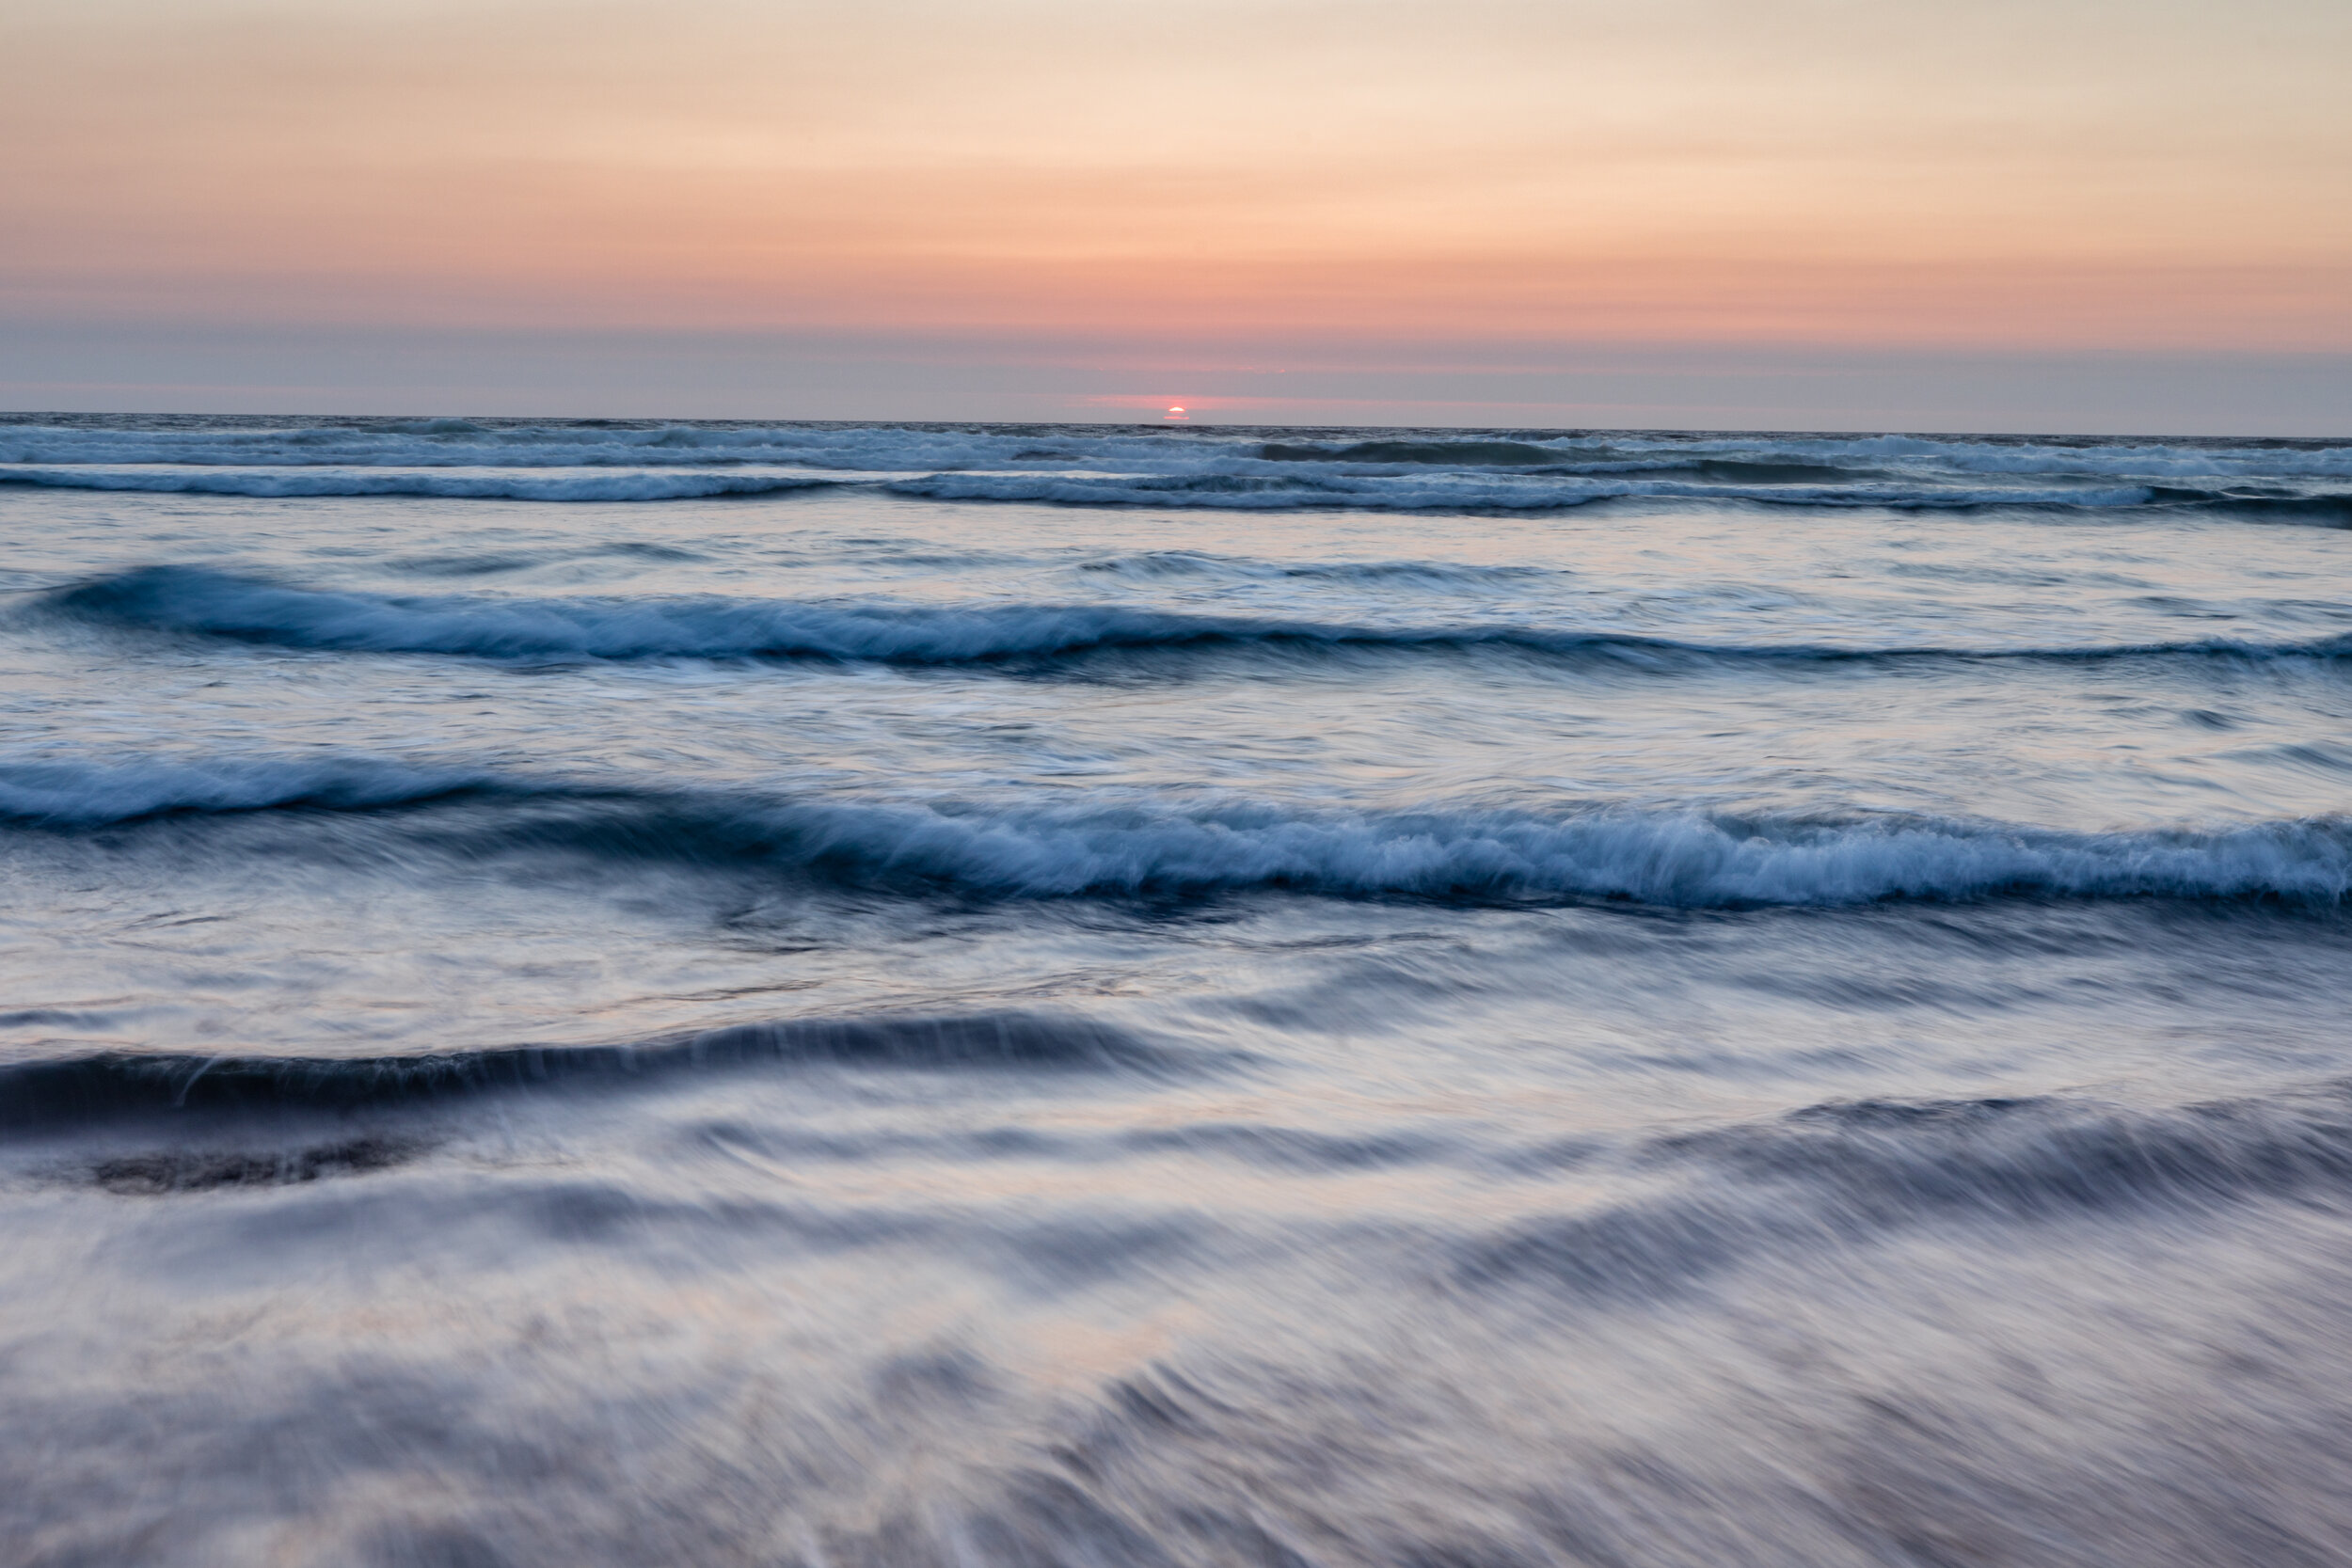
{"x":109,"y":1086}
{"x":201,"y":602}
{"x":1174,"y":850}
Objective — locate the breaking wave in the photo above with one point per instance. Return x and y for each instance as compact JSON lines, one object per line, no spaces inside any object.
{"x":1692,"y":860}
{"x":1155,"y":849}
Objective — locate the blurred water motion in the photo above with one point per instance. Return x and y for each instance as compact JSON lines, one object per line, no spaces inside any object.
{"x":1231,"y":998}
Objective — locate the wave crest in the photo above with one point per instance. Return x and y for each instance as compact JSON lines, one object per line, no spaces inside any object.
{"x":60,"y":1094}
{"x":198,"y":601}
{"x":1158,"y":850}
{"x":89,"y":795}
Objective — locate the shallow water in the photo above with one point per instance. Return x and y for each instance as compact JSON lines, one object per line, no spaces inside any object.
{"x":710,"y":994}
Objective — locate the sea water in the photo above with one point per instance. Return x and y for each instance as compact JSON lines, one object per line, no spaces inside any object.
{"x":655,"y":992}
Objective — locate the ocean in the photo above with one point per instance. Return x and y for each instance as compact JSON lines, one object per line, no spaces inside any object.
{"x":881,"y":996}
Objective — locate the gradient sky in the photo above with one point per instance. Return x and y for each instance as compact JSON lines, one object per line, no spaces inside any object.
{"x":1677,"y":211}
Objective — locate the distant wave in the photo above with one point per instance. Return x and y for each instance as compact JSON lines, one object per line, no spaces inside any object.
{"x":1474,"y":492}
{"x":1215,"y":489}
{"x":1454,"y":453}
{"x":886,"y":448}
{"x":1798,"y":459}
{"x":1198,"y":468}
{"x":1155,"y":849}
{"x":198,"y":601}
{"x":1219,"y":488}
{"x":668,"y":484}
{"x":1153,"y":566}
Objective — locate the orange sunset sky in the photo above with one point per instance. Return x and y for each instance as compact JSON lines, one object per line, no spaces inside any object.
{"x":2071,"y":214}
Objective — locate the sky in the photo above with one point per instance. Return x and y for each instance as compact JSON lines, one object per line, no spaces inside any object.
{"x":2064,"y":215}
